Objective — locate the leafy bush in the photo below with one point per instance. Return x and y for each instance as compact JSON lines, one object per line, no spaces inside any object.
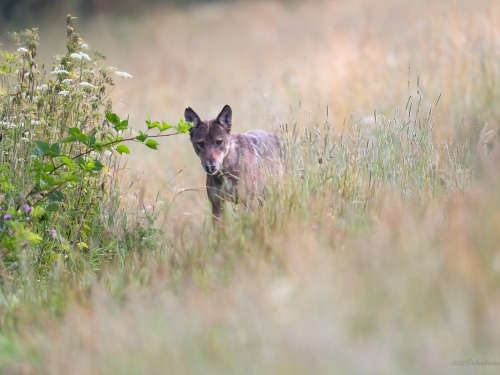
{"x":60,"y":141}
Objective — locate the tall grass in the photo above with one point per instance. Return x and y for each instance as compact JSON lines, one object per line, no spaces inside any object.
{"x":376,"y":252}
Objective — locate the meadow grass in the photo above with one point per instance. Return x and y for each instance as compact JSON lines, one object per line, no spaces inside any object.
{"x":376,"y":253}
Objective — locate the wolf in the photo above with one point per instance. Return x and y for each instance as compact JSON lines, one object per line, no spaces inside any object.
{"x":235,"y":164}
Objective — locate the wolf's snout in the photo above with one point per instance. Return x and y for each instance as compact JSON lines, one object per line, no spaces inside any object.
{"x":210,"y":167}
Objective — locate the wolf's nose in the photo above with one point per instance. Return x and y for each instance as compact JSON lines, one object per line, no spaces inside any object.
{"x":210,"y":168}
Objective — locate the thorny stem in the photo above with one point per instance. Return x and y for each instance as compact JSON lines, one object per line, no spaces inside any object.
{"x":46,"y":195}
{"x":111,"y":144}
{"x":92,"y":149}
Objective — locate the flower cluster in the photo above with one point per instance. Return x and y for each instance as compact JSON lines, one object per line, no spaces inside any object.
{"x":79,"y":56}
{"x":59,"y":71}
{"x":123,"y":74}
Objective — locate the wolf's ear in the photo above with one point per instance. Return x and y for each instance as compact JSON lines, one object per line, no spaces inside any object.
{"x":225,"y":117}
{"x":191,"y":116}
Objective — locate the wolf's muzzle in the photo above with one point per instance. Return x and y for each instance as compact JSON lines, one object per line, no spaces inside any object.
{"x":210,"y":167}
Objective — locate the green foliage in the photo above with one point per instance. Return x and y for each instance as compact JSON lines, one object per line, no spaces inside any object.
{"x":60,"y":141}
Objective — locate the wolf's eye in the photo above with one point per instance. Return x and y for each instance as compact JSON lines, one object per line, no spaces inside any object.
{"x":201,"y":144}
{"x":218,"y":142}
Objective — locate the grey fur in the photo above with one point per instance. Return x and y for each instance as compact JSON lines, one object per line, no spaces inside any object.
{"x":235,"y":164}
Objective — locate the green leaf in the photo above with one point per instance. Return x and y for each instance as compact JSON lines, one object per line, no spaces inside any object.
{"x":56,"y":196}
{"x":55,"y":147}
{"x":46,"y":179}
{"x":75,"y":132}
{"x":122,"y":149}
{"x":97,"y":165}
{"x":80,"y":161}
{"x":91,"y":140}
{"x":49,"y":167}
{"x":57,"y":181}
{"x":37,"y":166}
{"x":54,"y":150}
{"x":73,"y":177}
{"x":42,"y":185}
{"x":113,"y":118}
{"x":113,"y":139}
{"x":151,"y":143}
{"x":69,"y":163}
{"x":69,"y":140}
{"x":152,"y":125}
{"x":183,"y":126}
{"x":52,"y":207}
{"x":89,"y":165}
{"x":165,"y":126}
{"x":41,"y":148}
{"x":142,"y":137}
{"x":123,"y":125}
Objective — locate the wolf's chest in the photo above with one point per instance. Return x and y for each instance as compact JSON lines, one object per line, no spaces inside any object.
{"x":230,"y":188}
{"x":225,"y":187}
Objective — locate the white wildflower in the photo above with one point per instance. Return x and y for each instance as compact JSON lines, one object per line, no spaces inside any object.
{"x":64,"y":93}
{"x":76,"y":56}
{"x":84,"y":46}
{"x":123,"y":74}
{"x":22,"y":50}
{"x":42,"y":87}
{"x":67,"y":80}
{"x":86,"y":84}
{"x":84,"y":56}
{"x":58,"y":70}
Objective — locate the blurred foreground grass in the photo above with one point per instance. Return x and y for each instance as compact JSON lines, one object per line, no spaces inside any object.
{"x":378,"y":253}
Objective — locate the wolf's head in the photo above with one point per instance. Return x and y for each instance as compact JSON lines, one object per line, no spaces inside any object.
{"x":211,"y":139}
